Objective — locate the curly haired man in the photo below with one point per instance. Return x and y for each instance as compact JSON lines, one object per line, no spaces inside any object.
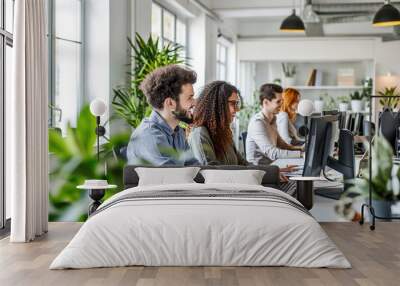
{"x":159,"y":140}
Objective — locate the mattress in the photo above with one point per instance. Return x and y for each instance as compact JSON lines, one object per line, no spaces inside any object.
{"x":201,"y":225}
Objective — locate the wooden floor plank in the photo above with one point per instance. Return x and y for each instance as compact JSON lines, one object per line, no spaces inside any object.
{"x":375,"y":257}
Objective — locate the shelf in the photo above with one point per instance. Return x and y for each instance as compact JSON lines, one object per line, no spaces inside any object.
{"x":328,"y":87}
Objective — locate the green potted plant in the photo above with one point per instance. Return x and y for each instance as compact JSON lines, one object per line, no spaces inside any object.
{"x":289,"y":73}
{"x":73,"y":160}
{"x":392,"y":102}
{"x":319,"y":103}
{"x":356,"y":101}
{"x":367,"y":87}
{"x":343,"y":103}
{"x":129,"y":102}
{"x":385,"y":181}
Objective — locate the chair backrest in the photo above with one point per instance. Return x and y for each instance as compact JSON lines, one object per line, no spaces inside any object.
{"x":243,"y":137}
{"x":389,"y":123}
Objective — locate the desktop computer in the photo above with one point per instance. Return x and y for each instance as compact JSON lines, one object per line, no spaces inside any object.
{"x":389,"y":124}
{"x":318,"y":146}
{"x":324,"y":133}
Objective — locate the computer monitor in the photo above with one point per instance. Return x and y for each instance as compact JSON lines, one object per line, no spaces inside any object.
{"x":389,"y":123}
{"x":318,"y":145}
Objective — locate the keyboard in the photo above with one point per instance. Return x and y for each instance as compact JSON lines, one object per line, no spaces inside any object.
{"x":289,"y":188}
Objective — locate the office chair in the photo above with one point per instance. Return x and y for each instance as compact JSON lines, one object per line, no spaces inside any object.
{"x":243,"y":137}
{"x":389,"y":122}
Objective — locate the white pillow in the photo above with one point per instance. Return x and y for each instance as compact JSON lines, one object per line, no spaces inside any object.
{"x":166,"y":176}
{"x":248,"y":177}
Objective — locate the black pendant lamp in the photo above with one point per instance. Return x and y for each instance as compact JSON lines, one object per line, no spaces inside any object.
{"x":387,"y":16}
{"x":293,"y":23}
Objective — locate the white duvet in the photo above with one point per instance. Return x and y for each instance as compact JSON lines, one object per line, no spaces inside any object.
{"x":200,"y":231}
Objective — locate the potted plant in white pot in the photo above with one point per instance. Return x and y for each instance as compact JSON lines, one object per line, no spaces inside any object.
{"x":356,"y":101}
{"x":384,"y":181}
{"x":343,"y":103}
{"x":289,"y":73}
{"x":319,"y":104}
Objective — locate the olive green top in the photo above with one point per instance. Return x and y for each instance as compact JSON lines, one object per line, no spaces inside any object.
{"x":203,"y":150}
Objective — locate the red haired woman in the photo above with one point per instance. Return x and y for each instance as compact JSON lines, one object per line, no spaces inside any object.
{"x":287,"y":116}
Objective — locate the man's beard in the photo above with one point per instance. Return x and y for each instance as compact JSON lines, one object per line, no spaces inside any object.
{"x":182,"y":115}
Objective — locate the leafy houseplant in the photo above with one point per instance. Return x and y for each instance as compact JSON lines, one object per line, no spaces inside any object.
{"x":129,"y":102}
{"x":343,"y":103}
{"x":289,"y":72}
{"x":367,"y":87}
{"x":385,"y":179}
{"x":343,"y":99}
{"x":356,"y":101}
{"x":247,"y":111}
{"x":390,"y":103}
{"x":73,"y":160}
{"x":319,"y":104}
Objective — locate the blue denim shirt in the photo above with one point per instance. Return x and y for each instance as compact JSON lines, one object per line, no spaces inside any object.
{"x":155,"y":143}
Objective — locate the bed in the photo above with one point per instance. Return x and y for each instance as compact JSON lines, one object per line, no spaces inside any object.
{"x":200,"y":224}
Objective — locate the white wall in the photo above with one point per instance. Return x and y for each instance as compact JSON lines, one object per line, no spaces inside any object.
{"x":306,"y":49}
{"x":387,"y":55}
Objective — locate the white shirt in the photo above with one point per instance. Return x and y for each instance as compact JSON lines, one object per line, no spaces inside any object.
{"x":286,"y":129}
{"x":263,"y":142}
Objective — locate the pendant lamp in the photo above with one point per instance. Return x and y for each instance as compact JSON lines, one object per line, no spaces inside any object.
{"x":387,"y":16}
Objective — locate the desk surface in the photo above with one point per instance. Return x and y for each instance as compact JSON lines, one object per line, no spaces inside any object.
{"x":325,"y":184}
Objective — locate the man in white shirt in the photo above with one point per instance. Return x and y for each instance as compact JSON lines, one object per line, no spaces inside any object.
{"x":263,"y":143}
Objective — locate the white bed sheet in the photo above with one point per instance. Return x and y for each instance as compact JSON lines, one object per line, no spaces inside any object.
{"x":200,"y":232}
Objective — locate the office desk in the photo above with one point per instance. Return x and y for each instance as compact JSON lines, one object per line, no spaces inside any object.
{"x":306,"y":190}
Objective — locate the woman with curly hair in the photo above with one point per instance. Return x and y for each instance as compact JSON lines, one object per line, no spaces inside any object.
{"x":211,"y":139}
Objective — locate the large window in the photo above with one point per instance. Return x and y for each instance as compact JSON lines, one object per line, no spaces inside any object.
{"x":6,"y":44}
{"x":222,"y":61}
{"x":66,"y":63}
{"x":166,"y":26}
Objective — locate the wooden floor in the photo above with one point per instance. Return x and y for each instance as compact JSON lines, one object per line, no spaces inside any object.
{"x":375,"y":257}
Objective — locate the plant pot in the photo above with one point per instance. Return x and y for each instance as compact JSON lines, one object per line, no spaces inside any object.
{"x":318,"y":106}
{"x":343,"y":106}
{"x":357,"y":105}
{"x":289,"y":81}
{"x":382,"y":208}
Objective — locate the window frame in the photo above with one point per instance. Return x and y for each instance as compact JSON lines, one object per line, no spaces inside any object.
{"x":162,"y":37}
{"x":6,"y":39}
{"x":219,"y":61}
{"x":52,"y":37}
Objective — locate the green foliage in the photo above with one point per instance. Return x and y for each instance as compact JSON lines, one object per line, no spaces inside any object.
{"x":367,"y":87}
{"x":73,"y":160}
{"x":289,"y":70}
{"x":384,"y":174}
{"x":389,"y":102}
{"x":129,"y":102}
{"x":247,"y":111}
{"x":385,"y":180}
{"x":356,"y":95}
{"x":343,"y":99}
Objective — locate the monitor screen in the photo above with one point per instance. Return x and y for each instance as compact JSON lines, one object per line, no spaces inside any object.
{"x":319,"y":144}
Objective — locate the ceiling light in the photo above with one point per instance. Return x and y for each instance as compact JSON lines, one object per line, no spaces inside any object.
{"x":387,"y":16}
{"x":293,"y":23}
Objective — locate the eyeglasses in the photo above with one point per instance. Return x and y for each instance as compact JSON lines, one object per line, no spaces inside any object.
{"x":237,"y":104}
